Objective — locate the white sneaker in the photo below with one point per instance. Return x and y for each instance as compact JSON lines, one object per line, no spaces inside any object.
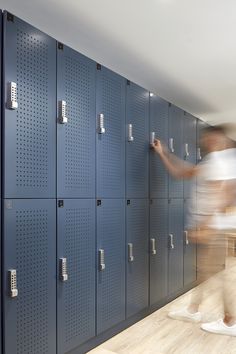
{"x":219,"y":327}
{"x":185,"y":315}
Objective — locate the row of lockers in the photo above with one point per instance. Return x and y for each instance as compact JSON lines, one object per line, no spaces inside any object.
{"x":75,"y":129}
{"x":91,"y":274}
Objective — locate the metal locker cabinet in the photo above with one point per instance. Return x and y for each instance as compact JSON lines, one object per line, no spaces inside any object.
{"x":200,"y":126}
{"x":76,"y":273}
{"x":158,"y":130}
{"x":29,"y":276}
{"x":29,"y":117}
{"x":110,"y":120}
{"x":175,"y":266}
{"x":190,"y":254}
{"x":110,"y":263}
{"x":158,"y":250}
{"x":137,"y":255}
{"x":190,"y":151}
{"x":75,"y":124}
{"x":176,"y":147}
{"x":137,"y":141}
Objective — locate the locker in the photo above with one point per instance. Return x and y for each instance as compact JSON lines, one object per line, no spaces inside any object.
{"x":110,"y":263}
{"x":76,"y":273}
{"x":190,"y":152}
{"x":75,"y":124}
{"x":200,"y":153}
{"x":29,"y":276}
{"x":29,"y":121}
{"x":110,"y":115}
{"x":1,"y":180}
{"x":137,"y":258}
{"x":190,"y":254}
{"x":175,"y":266}
{"x":137,"y":141}
{"x":176,"y":147}
{"x":158,"y":250}
{"x":158,"y":130}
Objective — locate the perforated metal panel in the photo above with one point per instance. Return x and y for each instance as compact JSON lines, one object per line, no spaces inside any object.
{"x":30,"y":131}
{"x":190,"y":138}
{"x":158,"y":125}
{"x":137,"y":152}
{"x":110,"y":101}
{"x":76,"y":296}
{"x":175,"y":266}
{"x":137,"y":271}
{"x":29,"y":247}
{"x":75,"y":143}
{"x":176,"y":133}
{"x":111,"y":281}
{"x":159,"y":261}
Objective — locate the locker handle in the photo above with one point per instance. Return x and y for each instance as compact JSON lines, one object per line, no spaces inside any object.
{"x":130,"y":252}
{"x":153,"y":246}
{"x":102,"y":265}
{"x":63,"y":269}
{"x":186,"y":238}
{"x":12,"y":95}
{"x":186,"y":150}
{"x":130,"y":133}
{"x":152,"y":137}
{"x":12,"y":283}
{"x":171,"y":143}
{"x":199,"y":156}
{"x":62,"y":116}
{"x":172,"y":246}
{"x":101,"y":124}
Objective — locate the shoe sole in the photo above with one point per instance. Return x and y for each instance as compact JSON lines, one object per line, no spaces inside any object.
{"x":218,"y":332}
{"x":185,"y":319}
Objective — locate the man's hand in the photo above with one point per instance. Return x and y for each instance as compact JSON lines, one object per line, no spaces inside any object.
{"x":157,"y":146}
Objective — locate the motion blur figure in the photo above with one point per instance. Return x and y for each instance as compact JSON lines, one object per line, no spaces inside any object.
{"x":208,"y":221}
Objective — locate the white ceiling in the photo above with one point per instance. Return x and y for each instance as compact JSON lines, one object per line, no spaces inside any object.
{"x":183,"y":50}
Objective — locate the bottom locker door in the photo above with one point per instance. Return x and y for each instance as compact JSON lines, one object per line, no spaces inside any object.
{"x":137,"y":256}
{"x":190,"y":255}
{"x":76,"y":273}
{"x":30,"y":276}
{"x":175,"y":266}
{"x":111,"y":263}
{"x":158,"y":250}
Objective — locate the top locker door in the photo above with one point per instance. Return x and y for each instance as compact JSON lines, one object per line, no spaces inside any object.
{"x":75,"y":124}
{"x":137,"y":146}
{"x":29,"y":122}
{"x":110,"y":112}
{"x":176,"y":147}
{"x":158,"y":130}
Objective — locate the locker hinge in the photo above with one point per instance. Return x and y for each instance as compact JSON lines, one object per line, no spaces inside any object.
{"x":169,"y":104}
{"x":60,"y":46}
{"x":128,"y":202}
{"x":128,"y":82}
{"x":99,"y":202}
{"x":10,"y":17}
{"x":99,"y":66}
{"x":60,"y":203}
{"x":151,"y":201}
{"x":169,"y":201}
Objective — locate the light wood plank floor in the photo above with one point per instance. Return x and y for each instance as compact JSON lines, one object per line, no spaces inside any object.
{"x":157,"y":334}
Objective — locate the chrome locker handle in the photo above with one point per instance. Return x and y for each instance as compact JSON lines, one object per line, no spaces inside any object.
{"x":63,"y":269}
{"x":186,"y":238}
{"x":130,"y":133}
{"x":171,"y":144}
{"x":186,"y":150}
{"x":12,"y":95}
{"x":13,"y":291}
{"x":152,"y":138}
{"x":199,"y":156}
{"x":102,"y":265}
{"x":153,"y":246}
{"x":172,"y":246}
{"x":130,"y":252}
{"x":101,"y":124}
{"x":62,"y":112}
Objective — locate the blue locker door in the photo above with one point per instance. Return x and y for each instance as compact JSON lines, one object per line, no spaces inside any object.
{"x":111,"y":263}
{"x":76,"y":287}
{"x":30,"y":250}
{"x":30,"y":130}
{"x":176,"y":146}
{"x":158,"y":250}
{"x":190,"y":151}
{"x":76,"y":136}
{"x":110,"y":115}
{"x":137,"y":141}
{"x":159,"y":129}
{"x":190,"y":255}
{"x":137,"y":255}
{"x":175,"y":266}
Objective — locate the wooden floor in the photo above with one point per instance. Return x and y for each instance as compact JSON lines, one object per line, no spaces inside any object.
{"x":157,"y":334}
